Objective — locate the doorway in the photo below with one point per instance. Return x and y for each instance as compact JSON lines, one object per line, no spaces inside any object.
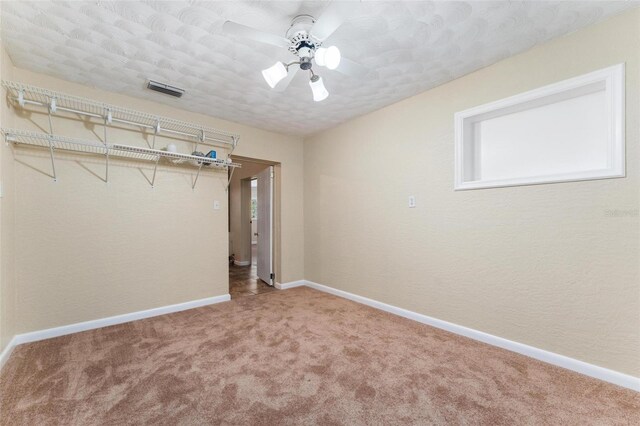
{"x":253,"y":208}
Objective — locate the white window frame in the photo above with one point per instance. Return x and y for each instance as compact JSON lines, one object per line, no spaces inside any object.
{"x":613,"y":79}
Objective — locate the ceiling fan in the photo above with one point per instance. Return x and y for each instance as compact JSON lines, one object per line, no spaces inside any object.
{"x":304,"y":39}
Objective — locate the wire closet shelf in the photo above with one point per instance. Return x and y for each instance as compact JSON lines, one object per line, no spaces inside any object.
{"x":23,"y":95}
{"x":54,"y":143}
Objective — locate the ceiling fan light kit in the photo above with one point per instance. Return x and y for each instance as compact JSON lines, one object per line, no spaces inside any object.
{"x":304,"y":39}
{"x":320,"y":92}
{"x":274,"y":74}
{"x":328,"y":57}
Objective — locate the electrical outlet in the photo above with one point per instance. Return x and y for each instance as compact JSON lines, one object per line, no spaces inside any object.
{"x":216,"y":205}
{"x":412,"y":201}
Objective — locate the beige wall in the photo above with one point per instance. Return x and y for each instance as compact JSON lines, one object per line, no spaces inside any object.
{"x":86,"y":249}
{"x":8,"y":291}
{"x":542,"y":265}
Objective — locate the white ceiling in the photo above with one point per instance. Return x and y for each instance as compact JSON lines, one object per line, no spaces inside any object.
{"x":408,"y":46}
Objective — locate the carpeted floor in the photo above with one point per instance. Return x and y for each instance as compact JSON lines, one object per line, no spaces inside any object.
{"x":293,"y":357}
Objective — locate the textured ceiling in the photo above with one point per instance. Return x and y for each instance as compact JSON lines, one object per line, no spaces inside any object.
{"x":407,"y":46}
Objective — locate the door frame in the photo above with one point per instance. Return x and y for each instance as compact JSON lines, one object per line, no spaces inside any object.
{"x":276,"y":210}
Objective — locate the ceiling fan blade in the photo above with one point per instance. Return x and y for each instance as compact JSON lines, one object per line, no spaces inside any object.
{"x":332,"y":17}
{"x":351,"y":68}
{"x":240,"y":30}
{"x":284,"y":83}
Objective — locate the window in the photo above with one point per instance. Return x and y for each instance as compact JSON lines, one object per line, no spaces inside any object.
{"x":572,"y":130}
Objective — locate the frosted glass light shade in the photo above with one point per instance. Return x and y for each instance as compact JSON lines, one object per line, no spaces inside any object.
{"x":274,"y":74}
{"x":328,"y":57}
{"x":320,"y":93}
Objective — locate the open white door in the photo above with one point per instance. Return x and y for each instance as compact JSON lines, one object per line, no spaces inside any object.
{"x":265,"y":225}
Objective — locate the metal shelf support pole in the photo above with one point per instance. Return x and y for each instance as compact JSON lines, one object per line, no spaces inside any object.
{"x":233,"y":169}
{"x":107,"y":121}
{"x":52,"y":109}
{"x":53,"y":162}
{"x":155,"y":169}
{"x":155,"y":133}
{"x":199,"y":138}
{"x":106,"y":173}
{"x":196,"y":179}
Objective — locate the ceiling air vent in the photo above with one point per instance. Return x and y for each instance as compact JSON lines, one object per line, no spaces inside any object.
{"x":165,"y":88}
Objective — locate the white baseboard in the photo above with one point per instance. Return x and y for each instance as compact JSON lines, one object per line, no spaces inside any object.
{"x":291,"y":284}
{"x":242,"y":263}
{"x":582,"y":367}
{"x":6,"y":352}
{"x":49,"y":333}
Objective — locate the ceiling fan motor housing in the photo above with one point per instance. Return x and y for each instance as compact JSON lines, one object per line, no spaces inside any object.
{"x":302,"y":43}
{"x":305,"y":50}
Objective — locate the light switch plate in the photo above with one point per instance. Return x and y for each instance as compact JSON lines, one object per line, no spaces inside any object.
{"x":216,"y":205}
{"x":412,"y":201}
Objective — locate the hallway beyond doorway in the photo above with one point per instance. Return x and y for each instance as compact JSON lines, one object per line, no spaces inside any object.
{"x":244,"y":281}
